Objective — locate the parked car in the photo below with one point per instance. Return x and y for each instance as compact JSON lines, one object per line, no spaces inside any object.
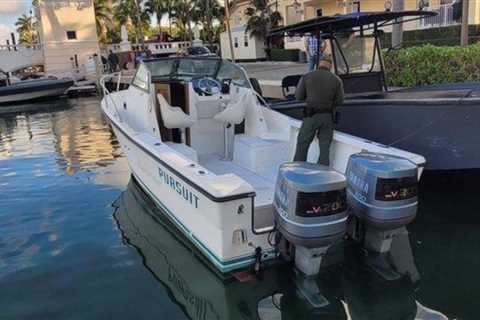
{"x":200,"y":51}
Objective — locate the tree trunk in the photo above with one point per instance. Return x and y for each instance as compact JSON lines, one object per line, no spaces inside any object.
{"x":397,"y":29}
{"x":464,"y":31}
{"x":138,"y":26}
{"x":229,"y":31}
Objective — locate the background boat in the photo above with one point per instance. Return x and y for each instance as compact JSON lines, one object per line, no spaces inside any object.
{"x":440,"y":122}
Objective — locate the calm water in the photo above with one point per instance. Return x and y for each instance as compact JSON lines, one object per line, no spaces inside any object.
{"x":79,"y":240}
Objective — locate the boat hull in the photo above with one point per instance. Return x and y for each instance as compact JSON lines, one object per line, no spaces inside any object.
{"x":208,"y":222}
{"x":31,"y":91}
{"x":170,"y":257}
{"x":445,"y":133}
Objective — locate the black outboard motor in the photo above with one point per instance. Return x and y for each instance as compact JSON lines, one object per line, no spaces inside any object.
{"x":382,"y":193}
{"x":310,"y":211}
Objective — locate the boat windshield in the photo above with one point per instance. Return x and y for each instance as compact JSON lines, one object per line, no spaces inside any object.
{"x":187,"y":68}
{"x":356,"y":54}
{"x":182,"y":68}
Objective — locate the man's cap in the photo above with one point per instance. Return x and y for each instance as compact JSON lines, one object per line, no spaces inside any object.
{"x":326,"y":58}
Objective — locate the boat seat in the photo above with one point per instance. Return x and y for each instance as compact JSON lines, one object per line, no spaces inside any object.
{"x":262,"y":156}
{"x":173,"y":117}
{"x":234,"y":113}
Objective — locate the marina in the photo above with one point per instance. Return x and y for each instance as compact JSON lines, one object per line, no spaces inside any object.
{"x":178,"y":161}
{"x":58,"y":155}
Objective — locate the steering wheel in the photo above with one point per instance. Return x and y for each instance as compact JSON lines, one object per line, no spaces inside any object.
{"x":208,"y":86}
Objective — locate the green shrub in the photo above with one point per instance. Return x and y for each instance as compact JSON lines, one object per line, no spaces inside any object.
{"x":285,"y":54}
{"x":429,"y":65}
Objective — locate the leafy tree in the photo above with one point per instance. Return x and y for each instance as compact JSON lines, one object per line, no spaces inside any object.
{"x":207,"y":12}
{"x":25,"y":29}
{"x":184,"y":14}
{"x":261,"y":18}
{"x":158,"y":8}
{"x":130,"y":13}
{"x":103,"y":18}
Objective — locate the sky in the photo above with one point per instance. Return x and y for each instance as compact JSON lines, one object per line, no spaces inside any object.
{"x":10,"y":10}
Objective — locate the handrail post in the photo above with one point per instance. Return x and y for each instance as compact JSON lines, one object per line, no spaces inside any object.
{"x":118,"y":80}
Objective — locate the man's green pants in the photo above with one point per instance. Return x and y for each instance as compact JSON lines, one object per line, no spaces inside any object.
{"x":321,"y":125}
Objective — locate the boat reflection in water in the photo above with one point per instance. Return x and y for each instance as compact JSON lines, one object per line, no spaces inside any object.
{"x":349,"y":289}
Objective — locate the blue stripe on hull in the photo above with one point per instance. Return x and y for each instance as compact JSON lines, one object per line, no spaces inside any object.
{"x":223,"y":265}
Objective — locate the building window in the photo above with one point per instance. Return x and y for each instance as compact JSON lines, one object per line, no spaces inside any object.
{"x":235,"y":42}
{"x":245,"y":40}
{"x":72,"y":35}
{"x":319,"y":12}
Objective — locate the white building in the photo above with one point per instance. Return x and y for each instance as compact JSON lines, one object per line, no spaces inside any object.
{"x":67,"y":33}
{"x":245,"y":48}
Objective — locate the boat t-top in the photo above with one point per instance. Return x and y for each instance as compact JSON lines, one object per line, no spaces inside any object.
{"x":217,"y":160}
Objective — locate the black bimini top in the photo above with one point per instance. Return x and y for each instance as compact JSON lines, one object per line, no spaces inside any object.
{"x":350,"y":21}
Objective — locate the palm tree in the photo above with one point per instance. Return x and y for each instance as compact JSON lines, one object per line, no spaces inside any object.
{"x":158,"y":8}
{"x":171,"y":13}
{"x":261,"y":18}
{"x":206,"y":12}
{"x":103,"y":18}
{"x":184,"y":14}
{"x":25,"y":29}
{"x":129,"y":12}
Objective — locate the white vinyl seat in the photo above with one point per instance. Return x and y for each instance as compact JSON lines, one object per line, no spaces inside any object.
{"x":174,"y":117}
{"x":234,"y":113}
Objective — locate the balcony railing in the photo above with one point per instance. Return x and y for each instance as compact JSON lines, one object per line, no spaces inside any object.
{"x":443,"y":19}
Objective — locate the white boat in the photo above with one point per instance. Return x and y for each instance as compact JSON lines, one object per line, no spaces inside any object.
{"x":201,"y":143}
{"x":14,"y":90}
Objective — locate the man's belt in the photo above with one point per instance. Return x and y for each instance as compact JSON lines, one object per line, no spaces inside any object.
{"x":309,"y":112}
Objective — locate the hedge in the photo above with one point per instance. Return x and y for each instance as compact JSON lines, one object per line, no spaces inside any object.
{"x":430,"y":65}
{"x":440,"y":36}
{"x":285,"y":54}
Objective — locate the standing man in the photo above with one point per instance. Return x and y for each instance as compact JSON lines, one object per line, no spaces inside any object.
{"x":113,"y":61}
{"x":323,"y":92}
{"x":313,"y":52}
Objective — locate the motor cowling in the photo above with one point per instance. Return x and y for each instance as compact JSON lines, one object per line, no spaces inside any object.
{"x":310,"y":204}
{"x":382,"y":189}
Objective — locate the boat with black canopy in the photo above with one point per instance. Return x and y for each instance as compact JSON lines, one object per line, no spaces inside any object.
{"x":440,"y":122}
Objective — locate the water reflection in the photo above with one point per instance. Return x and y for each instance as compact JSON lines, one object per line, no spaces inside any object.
{"x":39,"y":152}
{"x":78,"y":137}
{"x":347,"y":290}
{"x":62,"y":257}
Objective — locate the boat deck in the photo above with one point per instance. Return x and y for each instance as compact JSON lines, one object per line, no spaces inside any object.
{"x":264,"y":187}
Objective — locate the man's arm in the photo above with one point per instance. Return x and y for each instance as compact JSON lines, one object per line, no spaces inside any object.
{"x":301,"y":91}
{"x":339,"y":95}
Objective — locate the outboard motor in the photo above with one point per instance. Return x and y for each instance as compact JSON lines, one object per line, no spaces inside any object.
{"x":310,"y":211}
{"x":382,"y":193}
